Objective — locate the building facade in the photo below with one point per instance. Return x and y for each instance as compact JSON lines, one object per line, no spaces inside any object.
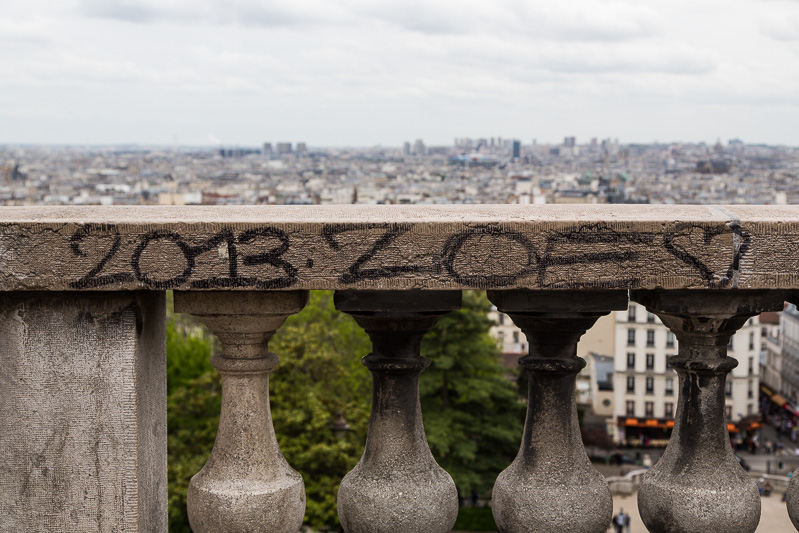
{"x":789,"y":371}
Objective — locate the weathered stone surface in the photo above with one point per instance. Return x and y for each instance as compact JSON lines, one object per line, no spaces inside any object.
{"x":551,"y":485}
{"x":698,"y":485}
{"x":390,"y":247}
{"x":83,"y":403}
{"x":397,"y":486}
{"x":247,"y":486}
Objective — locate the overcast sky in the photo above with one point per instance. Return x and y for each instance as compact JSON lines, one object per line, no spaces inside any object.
{"x":367,"y":72}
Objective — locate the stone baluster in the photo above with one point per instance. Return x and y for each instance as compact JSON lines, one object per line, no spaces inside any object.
{"x":551,"y":485}
{"x":792,"y":498}
{"x":397,"y":487}
{"x":698,"y":485}
{"x":246,"y":485}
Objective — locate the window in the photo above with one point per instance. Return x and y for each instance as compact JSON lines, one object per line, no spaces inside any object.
{"x":751,"y":366}
{"x":729,"y":412}
{"x":669,"y":339}
{"x":668,"y":410}
{"x":650,"y":361}
{"x":650,"y":318}
{"x":749,"y":391}
{"x":728,"y":389}
{"x":729,"y":344}
{"x":501,"y":319}
{"x":630,"y":408}
{"x":669,"y":386}
{"x":631,"y":313}
{"x":650,"y":385}
{"x":650,"y":337}
{"x":501,"y":337}
{"x":630,"y":337}
{"x":649,"y":409}
{"x":630,"y":383}
{"x":749,"y":409}
{"x":630,"y":360}
{"x":752,"y":340}
{"x":515,"y":336}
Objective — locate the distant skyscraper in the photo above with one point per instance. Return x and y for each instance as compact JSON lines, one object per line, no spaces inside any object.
{"x":301,"y":148}
{"x":517,"y":149}
{"x":569,"y":142}
{"x":267,"y":148}
{"x":418,"y":147}
{"x":406,"y":148}
{"x":283,"y":148}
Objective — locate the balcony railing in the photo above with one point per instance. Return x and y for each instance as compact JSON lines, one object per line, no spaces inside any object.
{"x":82,"y":352}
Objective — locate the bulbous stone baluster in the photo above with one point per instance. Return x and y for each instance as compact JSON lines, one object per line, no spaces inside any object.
{"x":551,"y":485}
{"x":246,"y":485}
{"x":397,"y":487}
{"x":698,"y":484}
{"x":792,"y":498}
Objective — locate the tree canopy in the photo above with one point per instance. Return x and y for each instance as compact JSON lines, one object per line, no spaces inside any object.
{"x":472,"y":412}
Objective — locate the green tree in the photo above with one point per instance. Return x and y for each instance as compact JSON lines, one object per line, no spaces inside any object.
{"x":473,"y":414}
{"x":320,"y":374}
{"x":193,"y":404}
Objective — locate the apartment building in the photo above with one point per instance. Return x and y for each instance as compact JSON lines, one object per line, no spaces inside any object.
{"x":646,"y":388}
{"x":789,"y":369}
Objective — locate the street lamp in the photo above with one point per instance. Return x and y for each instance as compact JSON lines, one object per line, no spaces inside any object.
{"x":340,"y":427}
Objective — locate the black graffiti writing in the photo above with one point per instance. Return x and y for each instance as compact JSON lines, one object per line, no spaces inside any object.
{"x":190,"y":255}
{"x":91,"y":279}
{"x":525,"y":255}
{"x":455,"y":244}
{"x":710,"y":277}
{"x":355,"y":272}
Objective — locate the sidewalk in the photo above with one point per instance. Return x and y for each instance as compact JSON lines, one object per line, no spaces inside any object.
{"x":773,"y":518}
{"x":760,"y":461}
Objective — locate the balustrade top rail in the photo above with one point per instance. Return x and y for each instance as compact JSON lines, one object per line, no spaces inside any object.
{"x":399,"y":247}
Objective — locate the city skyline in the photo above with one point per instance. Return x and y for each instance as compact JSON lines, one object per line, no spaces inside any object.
{"x":339,"y":73}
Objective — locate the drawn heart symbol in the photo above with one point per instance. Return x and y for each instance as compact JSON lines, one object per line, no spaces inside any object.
{"x":703,"y":248}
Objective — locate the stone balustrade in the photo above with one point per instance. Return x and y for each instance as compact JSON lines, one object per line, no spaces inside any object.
{"x":82,"y":353}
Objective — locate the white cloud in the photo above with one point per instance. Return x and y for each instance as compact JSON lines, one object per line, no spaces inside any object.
{"x":350,"y":70}
{"x":781,"y":26}
{"x":237,"y":12}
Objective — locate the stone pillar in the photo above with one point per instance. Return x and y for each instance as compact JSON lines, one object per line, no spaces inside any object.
{"x":792,"y":498}
{"x":397,"y":487}
{"x":246,"y":485}
{"x":551,"y":485}
{"x":83,"y":412}
{"x":698,"y":485}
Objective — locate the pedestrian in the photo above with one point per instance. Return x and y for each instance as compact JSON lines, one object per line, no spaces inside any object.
{"x":626,"y":523}
{"x":618,"y":522}
{"x":647,"y":461}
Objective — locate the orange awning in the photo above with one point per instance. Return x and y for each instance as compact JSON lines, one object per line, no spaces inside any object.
{"x":648,"y":423}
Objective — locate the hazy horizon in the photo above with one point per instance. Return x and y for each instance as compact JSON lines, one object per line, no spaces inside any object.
{"x":312,"y":147}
